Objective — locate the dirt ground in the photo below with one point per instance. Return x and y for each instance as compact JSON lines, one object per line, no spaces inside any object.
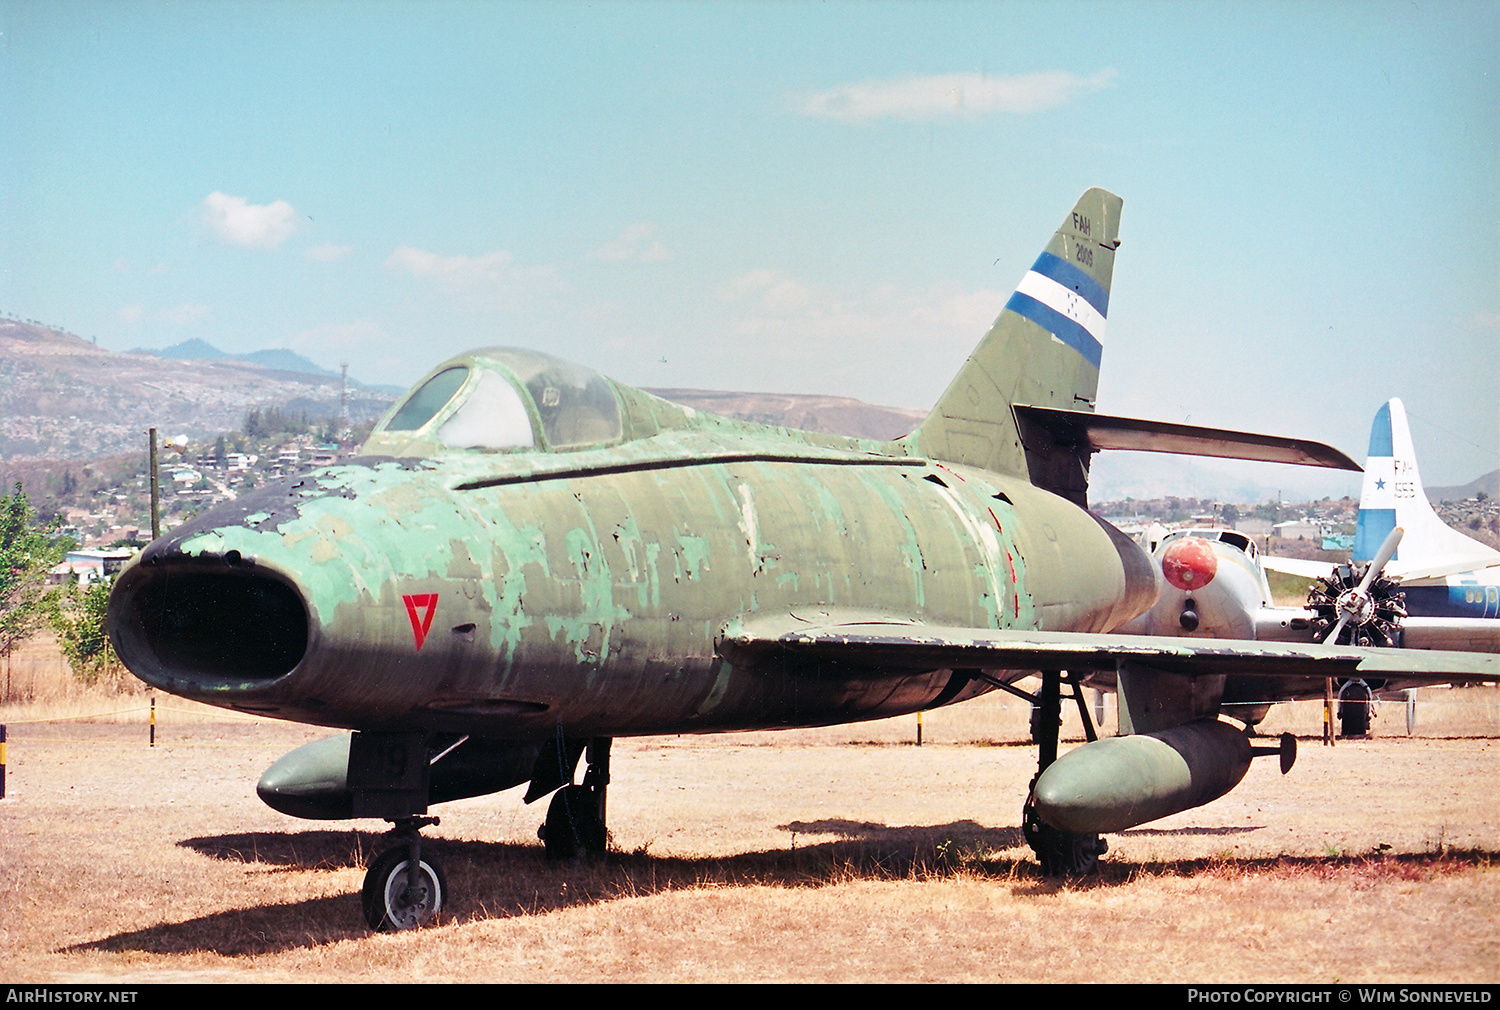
{"x":846,"y":854}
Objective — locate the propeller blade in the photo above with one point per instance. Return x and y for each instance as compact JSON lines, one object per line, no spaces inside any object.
{"x":1382,"y":558}
{"x":1362,"y":592}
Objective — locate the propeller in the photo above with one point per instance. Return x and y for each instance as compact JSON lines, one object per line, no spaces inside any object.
{"x":1358,"y":604}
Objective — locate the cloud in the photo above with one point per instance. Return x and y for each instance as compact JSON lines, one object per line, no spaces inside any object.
{"x":179,"y":315}
{"x":1485,"y":321}
{"x":940,"y":96}
{"x":364,"y":343}
{"x":326,"y":253}
{"x":249,"y":225}
{"x":461,"y":271}
{"x":785,"y":319}
{"x":769,"y":293}
{"x":637,"y":244}
{"x":489,"y":281}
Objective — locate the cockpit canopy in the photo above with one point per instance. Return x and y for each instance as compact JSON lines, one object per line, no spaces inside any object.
{"x":501,"y":399}
{"x":1234,"y":538}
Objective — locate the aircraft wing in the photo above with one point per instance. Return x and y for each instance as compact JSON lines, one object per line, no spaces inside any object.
{"x":890,"y":646}
{"x":1297,"y":566}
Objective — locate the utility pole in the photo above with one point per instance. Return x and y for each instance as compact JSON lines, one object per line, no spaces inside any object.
{"x":345,"y":429}
{"x":155,"y":492}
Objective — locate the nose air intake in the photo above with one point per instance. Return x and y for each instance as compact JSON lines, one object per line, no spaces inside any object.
{"x":207,"y":627}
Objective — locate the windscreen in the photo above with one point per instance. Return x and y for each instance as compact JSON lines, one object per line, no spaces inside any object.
{"x":492,"y":417}
{"x":428,"y":399}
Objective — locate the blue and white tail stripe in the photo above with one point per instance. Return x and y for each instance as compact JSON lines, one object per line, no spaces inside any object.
{"x":1393,"y":496}
{"x":1066,"y":302}
{"x":1377,"y":500}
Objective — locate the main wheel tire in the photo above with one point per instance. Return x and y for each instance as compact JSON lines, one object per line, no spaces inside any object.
{"x":396,"y":899}
{"x":573,"y":827}
{"x":1061,"y":853}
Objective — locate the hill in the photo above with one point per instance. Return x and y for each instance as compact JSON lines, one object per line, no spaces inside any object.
{"x":63,"y":398}
{"x":277,"y":359}
{"x":1488,"y":485}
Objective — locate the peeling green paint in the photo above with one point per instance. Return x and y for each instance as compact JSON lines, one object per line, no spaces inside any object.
{"x":590,"y":588}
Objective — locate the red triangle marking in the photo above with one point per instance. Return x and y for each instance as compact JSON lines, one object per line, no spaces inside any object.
{"x":420,"y":623}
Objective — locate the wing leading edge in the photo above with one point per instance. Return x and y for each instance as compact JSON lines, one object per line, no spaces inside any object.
{"x":889,"y":645}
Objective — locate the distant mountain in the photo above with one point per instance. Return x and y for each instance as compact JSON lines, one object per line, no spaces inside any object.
{"x":62,"y":397}
{"x":1115,"y":476}
{"x":279,"y":359}
{"x":1489,"y":484}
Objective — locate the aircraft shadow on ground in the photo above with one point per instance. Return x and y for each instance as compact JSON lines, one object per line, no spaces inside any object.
{"x":499,"y":880}
{"x":1243,"y":829}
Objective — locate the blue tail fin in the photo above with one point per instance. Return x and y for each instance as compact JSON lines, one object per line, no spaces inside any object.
{"x":1393,"y":496}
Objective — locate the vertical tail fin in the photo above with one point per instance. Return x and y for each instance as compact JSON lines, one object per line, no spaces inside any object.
{"x":1043,"y":351}
{"x":1392,"y":496}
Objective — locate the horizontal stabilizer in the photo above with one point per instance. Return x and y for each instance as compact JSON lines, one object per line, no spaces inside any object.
{"x":1094,"y":432}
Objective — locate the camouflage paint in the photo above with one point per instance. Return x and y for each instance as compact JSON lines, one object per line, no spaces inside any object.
{"x":586,"y":589}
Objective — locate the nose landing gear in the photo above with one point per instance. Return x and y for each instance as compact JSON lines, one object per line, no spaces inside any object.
{"x":402,"y":889}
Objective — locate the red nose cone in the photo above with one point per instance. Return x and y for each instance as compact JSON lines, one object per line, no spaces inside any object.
{"x":1189,"y":563}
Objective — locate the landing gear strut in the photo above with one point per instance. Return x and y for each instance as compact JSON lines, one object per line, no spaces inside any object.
{"x":403,"y":889}
{"x":576,"y":816}
{"x":1061,"y":853}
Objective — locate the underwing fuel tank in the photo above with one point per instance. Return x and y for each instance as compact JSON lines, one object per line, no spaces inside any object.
{"x":1114,"y":784}
{"x":314,"y":781}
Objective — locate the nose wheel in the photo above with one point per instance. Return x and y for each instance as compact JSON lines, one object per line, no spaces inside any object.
{"x":403,"y":889}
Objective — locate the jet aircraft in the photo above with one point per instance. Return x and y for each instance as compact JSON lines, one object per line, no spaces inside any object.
{"x":528,"y":560}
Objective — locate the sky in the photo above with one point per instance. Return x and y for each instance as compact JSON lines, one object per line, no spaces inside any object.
{"x":780,"y":196}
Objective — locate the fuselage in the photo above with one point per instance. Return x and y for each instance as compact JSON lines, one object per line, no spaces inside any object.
{"x":529,"y":592}
{"x":1460,"y":611}
{"x":1210,"y":585}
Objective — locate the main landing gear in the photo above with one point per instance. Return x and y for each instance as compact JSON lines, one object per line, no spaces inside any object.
{"x":576,"y":815}
{"x":1060,"y":853}
{"x":406,"y":887}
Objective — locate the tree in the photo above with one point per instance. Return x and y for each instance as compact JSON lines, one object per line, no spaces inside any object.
{"x":28,"y":551}
{"x":78,"y":618}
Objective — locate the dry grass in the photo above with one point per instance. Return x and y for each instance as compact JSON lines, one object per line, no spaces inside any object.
{"x":835,"y":854}
{"x":843,"y":854}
